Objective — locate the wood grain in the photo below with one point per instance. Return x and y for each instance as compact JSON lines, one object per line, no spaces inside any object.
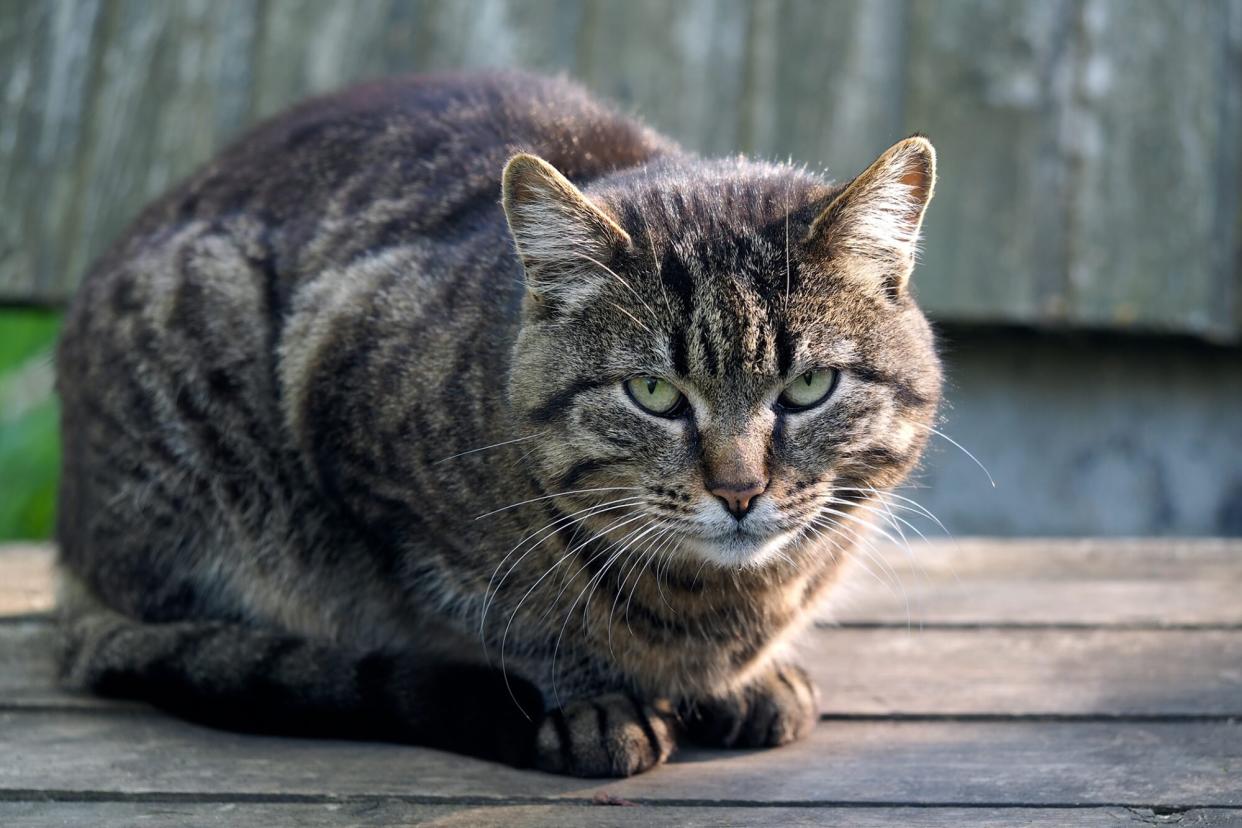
{"x":1025,"y":719}
{"x":894,"y":672}
{"x":1022,"y":628}
{"x":1141,"y":145}
{"x":1064,"y":582}
{"x":1089,"y":172}
{"x":1160,"y":583}
{"x":390,"y":814}
{"x":924,"y":762}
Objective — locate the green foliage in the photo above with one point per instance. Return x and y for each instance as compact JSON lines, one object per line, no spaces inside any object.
{"x":29,"y":438}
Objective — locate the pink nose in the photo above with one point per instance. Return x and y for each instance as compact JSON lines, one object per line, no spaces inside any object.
{"x":738,"y":497}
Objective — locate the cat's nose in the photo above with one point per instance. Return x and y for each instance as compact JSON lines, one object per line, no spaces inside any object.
{"x":738,"y":497}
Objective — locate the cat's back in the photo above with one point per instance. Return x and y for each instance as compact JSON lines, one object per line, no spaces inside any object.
{"x":412,"y":160}
{"x":394,"y":159}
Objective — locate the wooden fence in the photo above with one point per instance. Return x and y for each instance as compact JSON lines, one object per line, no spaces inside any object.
{"x":1091,"y":150}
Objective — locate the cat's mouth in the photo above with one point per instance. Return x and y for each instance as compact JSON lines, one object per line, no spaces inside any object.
{"x":742,"y":546}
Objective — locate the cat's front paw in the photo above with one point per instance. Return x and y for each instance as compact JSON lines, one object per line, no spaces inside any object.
{"x":781,"y":707}
{"x":610,"y":735}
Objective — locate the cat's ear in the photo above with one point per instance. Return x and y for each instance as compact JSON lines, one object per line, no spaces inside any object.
{"x":872,"y":227}
{"x":563,"y":238}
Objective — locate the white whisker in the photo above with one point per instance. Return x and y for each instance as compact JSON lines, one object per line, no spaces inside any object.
{"x":669,"y":535}
{"x":633,"y":318}
{"x":888,"y":535}
{"x":895,"y":521}
{"x":505,"y":635}
{"x":960,"y":446}
{"x":860,"y":537}
{"x":892,"y":519}
{"x":546,"y":531}
{"x":569,"y":614}
{"x":866,"y":550}
{"x":788,"y":277}
{"x":492,"y":446}
{"x":659,"y":267}
{"x":909,"y":504}
{"x":557,"y":494}
{"x":639,"y":556}
{"x":631,"y":539}
{"x":616,"y":276}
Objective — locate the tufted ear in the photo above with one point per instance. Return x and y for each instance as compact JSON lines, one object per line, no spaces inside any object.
{"x":565,"y":241}
{"x":872,"y":226}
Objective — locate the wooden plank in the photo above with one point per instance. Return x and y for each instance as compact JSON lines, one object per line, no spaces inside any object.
{"x":1027,"y":672}
{"x":928,"y":763}
{"x":308,"y":47}
{"x":28,"y":672}
{"x":825,"y":89}
{"x":311,"y":46}
{"x":47,"y":54}
{"x":1151,"y":130}
{"x":1157,"y":582}
{"x":113,"y":102}
{"x":1058,"y":122}
{"x":864,"y":672}
{"x":385,"y":813}
{"x":1069,"y":134}
{"x":682,"y":66}
{"x":980,"y":83}
{"x":26,"y":583}
{"x":981,"y":581}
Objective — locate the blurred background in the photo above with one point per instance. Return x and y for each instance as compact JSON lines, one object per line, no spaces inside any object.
{"x":1082,"y":256}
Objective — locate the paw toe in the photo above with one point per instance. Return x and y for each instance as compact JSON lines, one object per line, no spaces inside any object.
{"x":781,"y":708}
{"x":609,"y":736}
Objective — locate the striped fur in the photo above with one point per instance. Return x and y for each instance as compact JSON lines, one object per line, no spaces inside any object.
{"x":347,"y":450}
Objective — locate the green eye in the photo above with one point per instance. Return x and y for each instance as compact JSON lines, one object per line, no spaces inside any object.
{"x":655,"y":395}
{"x":809,"y":389}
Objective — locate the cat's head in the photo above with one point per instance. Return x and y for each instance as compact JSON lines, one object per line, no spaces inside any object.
{"x":722,"y":357}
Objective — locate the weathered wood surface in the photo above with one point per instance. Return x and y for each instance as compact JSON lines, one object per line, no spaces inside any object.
{"x":895,"y":672}
{"x":993,"y":628}
{"x":1090,"y":163}
{"x":383,"y":814}
{"x":998,"y":717}
{"x":934,"y":762}
{"x":1157,"y":583}
{"x":26,"y":580}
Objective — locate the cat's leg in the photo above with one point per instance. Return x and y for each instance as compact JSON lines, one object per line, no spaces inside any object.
{"x":779,"y":707}
{"x":243,"y":678}
{"x":615,"y":734}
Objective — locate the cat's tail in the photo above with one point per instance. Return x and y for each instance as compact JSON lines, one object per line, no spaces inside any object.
{"x":242,"y":678}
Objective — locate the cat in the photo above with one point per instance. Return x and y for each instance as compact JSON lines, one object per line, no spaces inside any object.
{"x":465,"y":411}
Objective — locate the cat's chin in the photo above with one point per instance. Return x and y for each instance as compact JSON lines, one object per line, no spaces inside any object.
{"x":738,"y":550}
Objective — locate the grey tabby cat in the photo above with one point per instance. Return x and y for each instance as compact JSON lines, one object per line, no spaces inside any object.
{"x":353,"y":449}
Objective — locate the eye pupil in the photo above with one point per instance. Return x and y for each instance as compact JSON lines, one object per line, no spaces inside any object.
{"x":808,"y":389}
{"x":655,"y":396}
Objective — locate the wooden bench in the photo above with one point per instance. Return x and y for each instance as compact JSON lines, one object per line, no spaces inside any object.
{"x":979,"y":683}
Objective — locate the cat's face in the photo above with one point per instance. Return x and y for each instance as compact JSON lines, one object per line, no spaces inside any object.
{"x":722,"y":365}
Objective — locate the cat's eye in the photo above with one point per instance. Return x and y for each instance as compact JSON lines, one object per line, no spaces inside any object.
{"x":809,"y":389}
{"x":656,"y":396}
